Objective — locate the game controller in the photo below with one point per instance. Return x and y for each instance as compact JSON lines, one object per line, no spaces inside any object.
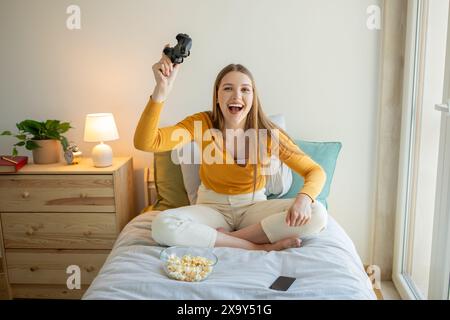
{"x":181,"y":50}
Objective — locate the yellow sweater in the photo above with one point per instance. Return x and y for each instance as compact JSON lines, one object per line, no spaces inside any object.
{"x":223,"y":177}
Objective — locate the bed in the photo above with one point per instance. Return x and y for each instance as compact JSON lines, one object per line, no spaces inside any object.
{"x":326,"y":266}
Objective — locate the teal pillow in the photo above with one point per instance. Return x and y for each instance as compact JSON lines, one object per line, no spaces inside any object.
{"x":325,"y":154}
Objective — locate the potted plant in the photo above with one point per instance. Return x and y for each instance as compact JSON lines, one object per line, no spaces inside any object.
{"x":43,"y":138}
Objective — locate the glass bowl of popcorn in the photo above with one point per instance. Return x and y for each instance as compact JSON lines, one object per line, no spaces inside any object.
{"x":189,"y":264}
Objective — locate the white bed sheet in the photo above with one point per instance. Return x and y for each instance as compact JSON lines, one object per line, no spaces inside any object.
{"x":327,"y":266}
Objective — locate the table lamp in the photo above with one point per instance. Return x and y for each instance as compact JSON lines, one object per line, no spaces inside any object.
{"x":101,"y":127}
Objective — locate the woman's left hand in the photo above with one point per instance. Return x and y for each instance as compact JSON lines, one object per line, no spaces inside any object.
{"x":300,"y":211}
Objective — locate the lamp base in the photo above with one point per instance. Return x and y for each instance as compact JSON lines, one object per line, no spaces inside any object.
{"x":102,"y":155}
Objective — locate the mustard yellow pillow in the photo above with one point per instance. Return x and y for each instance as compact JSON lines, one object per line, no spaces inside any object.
{"x":170,"y":189}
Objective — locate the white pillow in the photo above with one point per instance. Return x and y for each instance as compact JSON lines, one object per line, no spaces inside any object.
{"x":188,"y":156}
{"x":280,"y":181}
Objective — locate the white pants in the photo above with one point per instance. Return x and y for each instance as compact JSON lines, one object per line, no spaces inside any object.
{"x":195,"y":225}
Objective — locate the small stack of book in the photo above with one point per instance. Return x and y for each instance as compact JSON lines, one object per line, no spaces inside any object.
{"x":10,"y":164}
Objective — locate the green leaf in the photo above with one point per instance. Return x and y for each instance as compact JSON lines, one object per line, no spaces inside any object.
{"x":32,"y":127}
{"x":64,"y":127}
{"x":52,"y":125}
{"x":48,"y":124}
{"x":6,"y":133}
{"x":21,"y":136}
{"x":14,"y":152}
{"x":52,"y":135}
{"x":64,"y":143}
{"x":20,"y":144}
{"x":30,"y":145}
{"x":32,"y":124}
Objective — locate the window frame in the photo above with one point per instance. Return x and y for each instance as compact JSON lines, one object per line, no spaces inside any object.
{"x":412,"y":91}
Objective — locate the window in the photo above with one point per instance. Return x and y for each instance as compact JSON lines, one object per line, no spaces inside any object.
{"x":420,"y":264}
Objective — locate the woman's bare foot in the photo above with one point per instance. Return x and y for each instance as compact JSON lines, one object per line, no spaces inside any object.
{"x":287,"y":243}
{"x":292,"y":242}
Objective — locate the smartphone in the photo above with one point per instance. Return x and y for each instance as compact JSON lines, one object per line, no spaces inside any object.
{"x":282,"y":283}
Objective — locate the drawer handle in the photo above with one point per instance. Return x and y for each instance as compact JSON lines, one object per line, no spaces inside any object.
{"x":83,"y":195}
{"x":33,"y":269}
{"x":25,"y":194}
{"x":30,"y":231}
{"x":89,"y":269}
{"x":87,"y":233}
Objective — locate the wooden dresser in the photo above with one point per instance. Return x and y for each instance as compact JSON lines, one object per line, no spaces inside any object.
{"x":56,"y":216}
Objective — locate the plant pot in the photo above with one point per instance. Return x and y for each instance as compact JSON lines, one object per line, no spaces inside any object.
{"x":48,"y":152}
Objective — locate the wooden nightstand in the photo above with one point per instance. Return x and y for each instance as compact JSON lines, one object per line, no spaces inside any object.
{"x":54,"y":216}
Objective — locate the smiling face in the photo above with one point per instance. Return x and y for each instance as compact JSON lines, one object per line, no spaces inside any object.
{"x":235,"y":97}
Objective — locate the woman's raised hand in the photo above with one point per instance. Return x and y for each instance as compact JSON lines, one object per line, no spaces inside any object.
{"x":165,"y":74}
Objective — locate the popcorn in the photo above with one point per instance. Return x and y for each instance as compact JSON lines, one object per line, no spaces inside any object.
{"x":188,"y":268}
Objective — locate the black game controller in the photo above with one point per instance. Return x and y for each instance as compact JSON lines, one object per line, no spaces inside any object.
{"x":181,"y":50}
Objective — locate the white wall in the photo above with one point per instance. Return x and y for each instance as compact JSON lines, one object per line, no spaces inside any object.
{"x":315,"y":61}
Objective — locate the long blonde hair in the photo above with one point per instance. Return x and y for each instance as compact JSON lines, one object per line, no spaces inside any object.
{"x":256,"y":118}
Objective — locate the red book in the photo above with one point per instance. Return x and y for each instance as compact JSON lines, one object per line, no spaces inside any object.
{"x":10,"y":164}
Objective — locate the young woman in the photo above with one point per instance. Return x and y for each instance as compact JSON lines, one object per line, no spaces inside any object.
{"x":232,"y":209}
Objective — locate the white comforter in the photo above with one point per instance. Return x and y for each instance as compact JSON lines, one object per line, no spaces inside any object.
{"x":326,"y":267}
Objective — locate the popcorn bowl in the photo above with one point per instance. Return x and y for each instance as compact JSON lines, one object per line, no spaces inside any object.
{"x":190,"y":264}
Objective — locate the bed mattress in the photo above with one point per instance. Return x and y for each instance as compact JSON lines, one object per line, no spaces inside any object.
{"x":326,"y":266}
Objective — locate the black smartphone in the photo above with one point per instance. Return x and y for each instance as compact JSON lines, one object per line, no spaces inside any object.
{"x":282,"y":283}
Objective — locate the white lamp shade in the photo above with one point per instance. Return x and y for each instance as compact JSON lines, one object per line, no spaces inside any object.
{"x":100,"y":127}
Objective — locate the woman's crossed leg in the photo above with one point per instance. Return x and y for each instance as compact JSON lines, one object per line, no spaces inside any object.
{"x":264,"y":222}
{"x":196,"y":226}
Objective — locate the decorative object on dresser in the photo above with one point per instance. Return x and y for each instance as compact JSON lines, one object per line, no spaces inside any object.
{"x":11,"y":164}
{"x":73,"y":154}
{"x":101,"y":127}
{"x":43,"y":138}
{"x":58,"y":218}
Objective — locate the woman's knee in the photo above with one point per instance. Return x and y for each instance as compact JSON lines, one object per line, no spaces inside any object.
{"x":164,"y":228}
